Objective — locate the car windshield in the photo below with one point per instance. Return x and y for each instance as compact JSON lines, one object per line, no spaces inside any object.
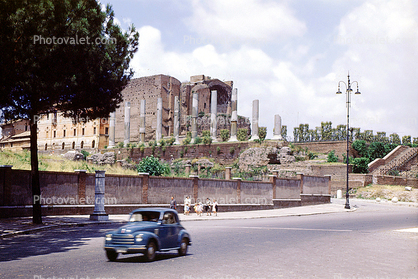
{"x":150,"y":216}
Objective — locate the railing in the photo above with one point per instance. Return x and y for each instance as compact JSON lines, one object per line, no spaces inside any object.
{"x":396,"y":163}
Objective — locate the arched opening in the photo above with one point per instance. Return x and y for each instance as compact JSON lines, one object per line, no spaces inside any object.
{"x":63,"y":145}
{"x":73,"y":146}
{"x":46,"y":146}
{"x":93,"y":143}
{"x":82,"y":144}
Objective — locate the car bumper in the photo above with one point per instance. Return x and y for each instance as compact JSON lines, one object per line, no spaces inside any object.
{"x":125,"y":249}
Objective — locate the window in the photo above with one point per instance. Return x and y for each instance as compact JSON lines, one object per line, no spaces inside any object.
{"x":82,"y":132}
{"x":65,"y":133}
{"x":93,"y":143}
{"x":106,"y":130}
{"x":94,"y":130}
{"x":82,"y":144}
{"x":63,"y":145}
{"x":55,"y":134}
{"x":46,"y":146}
{"x":55,"y":120}
{"x":73,"y":145}
{"x":75,"y":132}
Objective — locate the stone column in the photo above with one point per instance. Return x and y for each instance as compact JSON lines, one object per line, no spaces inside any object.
{"x":234,"y":115}
{"x":112,"y":119}
{"x":82,"y":177}
{"x":254,"y":124}
{"x":188,"y":166}
{"x":195,"y":109}
{"x":299,"y":176}
{"x":159,"y":119}
{"x":145,"y":181}
{"x":127,"y":138}
{"x":273,"y":179}
{"x":195,"y":187}
{"x":238,"y":180}
{"x":277,"y":133}
{"x":142,"y":113}
{"x":213,"y":115}
{"x":99,"y":213}
{"x":228,"y":173}
{"x":176,"y":119}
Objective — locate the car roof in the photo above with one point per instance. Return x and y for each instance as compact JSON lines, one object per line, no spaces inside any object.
{"x":154,"y":209}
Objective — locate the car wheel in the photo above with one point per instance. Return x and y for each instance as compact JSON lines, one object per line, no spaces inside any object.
{"x":183,"y":247}
{"x":151,"y":250}
{"x":112,"y":255}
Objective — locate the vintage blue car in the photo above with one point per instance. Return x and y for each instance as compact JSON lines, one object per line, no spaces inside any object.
{"x":149,"y":230}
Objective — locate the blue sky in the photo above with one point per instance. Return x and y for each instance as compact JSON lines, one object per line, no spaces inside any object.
{"x":290,"y":55}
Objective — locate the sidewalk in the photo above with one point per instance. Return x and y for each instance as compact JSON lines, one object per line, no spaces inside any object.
{"x":23,"y":225}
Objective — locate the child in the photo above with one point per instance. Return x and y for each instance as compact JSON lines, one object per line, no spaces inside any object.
{"x":215,"y":208}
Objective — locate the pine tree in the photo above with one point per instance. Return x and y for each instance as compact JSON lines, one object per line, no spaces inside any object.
{"x":65,"y":55}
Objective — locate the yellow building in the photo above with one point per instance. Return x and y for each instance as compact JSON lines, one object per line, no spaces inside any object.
{"x":59,"y":133}
{"x":15,"y":135}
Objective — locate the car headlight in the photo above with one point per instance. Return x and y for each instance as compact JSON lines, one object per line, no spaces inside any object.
{"x":108,"y":237}
{"x":156,"y":231}
{"x":138,"y":237}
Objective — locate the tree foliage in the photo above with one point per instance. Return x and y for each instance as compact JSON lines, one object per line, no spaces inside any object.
{"x":61,"y":55}
{"x":224,"y":134}
{"x":153,"y":166}
{"x":262,"y":133}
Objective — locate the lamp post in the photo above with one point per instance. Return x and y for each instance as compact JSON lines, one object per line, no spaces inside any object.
{"x":348,"y":101}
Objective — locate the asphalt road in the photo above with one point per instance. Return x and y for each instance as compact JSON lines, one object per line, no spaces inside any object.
{"x":360,"y":244}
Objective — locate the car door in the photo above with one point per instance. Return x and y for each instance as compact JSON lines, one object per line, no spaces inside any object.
{"x":169,"y":231}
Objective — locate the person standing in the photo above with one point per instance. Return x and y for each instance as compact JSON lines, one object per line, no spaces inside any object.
{"x":173,"y":204}
{"x":215,"y":208}
{"x":187,"y":204}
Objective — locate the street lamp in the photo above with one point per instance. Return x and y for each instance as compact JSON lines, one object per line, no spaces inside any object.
{"x":348,"y":101}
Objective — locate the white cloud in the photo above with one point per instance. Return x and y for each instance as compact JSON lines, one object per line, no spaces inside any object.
{"x":379,"y":53}
{"x":247,"y":21}
{"x":381,"y":40}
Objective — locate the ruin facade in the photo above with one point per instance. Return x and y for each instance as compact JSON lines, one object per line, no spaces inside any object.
{"x":168,"y":89}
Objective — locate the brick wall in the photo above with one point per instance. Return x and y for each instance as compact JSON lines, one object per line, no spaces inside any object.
{"x":78,"y":189}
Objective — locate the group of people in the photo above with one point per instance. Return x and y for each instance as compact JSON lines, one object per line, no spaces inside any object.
{"x":208,"y":207}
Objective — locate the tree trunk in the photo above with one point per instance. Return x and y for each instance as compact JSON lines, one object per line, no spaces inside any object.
{"x":36,"y":187}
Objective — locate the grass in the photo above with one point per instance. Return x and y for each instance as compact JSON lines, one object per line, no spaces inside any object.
{"x":21,"y":160}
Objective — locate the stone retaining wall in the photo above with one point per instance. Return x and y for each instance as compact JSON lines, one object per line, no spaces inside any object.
{"x":73,"y":193}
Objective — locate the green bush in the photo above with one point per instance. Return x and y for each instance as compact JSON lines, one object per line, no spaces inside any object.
{"x":262,"y":133}
{"x":153,"y":166}
{"x":332,"y":158}
{"x":162,"y":142}
{"x":242,"y":134}
{"x":187,"y":141}
{"x":361,"y":147}
{"x":120,"y":145}
{"x":207,"y":140}
{"x":85,"y":153}
{"x":232,"y":150}
{"x":197,"y":140}
{"x":224,"y":134}
{"x":360,"y":165}
{"x":218,"y":150}
{"x":170,"y":141}
{"x":376,"y":150}
{"x":205,"y":133}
